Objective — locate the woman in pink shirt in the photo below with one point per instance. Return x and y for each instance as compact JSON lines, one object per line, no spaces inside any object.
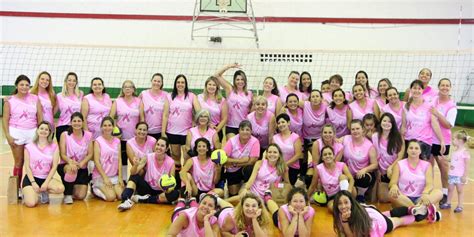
{"x":68,"y":102}
{"x":272,"y":94}
{"x":337,"y":112}
{"x":412,"y":180}
{"x":239,"y":98}
{"x":95,"y":107}
{"x":21,"y":113}
{"x":362,"y":78}
{"x":394,"y":105}
{"x":263,"y":122}
{"x":43,"y":88}
{"x":429,"y":93}
{"x":305,"y":85}
{"x":335,"y":83}
{"x":382,"y":86}
{"x":41,"y":161}
{"x":295,"y":113}
{"x":212,"y":100}
{"x":154,"y":107}
{"x":202,"y":129}
{"x":141,"y":145}
{"x":146,"y":188}
{"x":76,"y":150}
{"x":328,"y":138}
{"x":362,"y":104}
{"x":291,"y":86}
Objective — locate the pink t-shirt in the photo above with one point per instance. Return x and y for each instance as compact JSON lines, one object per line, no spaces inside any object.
{"x":214,"y":108}
{"x":203,"y":174}
{"x":67,"y":106}
{"x":266,"y":176}
{"x":384,"y":159}
{"x":272,"y":102}
{"x":141,"y":151}
{"x":260,"y":128}
{"x":41,"y":159}
{"x":336,"y":146}
{"x":356,"y":156}
{"x":457,"y":166}
{"x":289,"y":216}
{"x":239,"y":107}
{"x":209,"y":135}
{"x":77,"y":149}
{"x":358,"y":111}
{"x":429,"y":94}
{"x":444,"y":109}
{"x":287,"y":147}
{"x":296,"y":122}
{"x":98,"y":109}
{"x":153,"y":106}
{"x":379,"y":224}
{"x":181,"y":114}
{"x":23,"y":112}
{"x":47,"y":107}
{"x":284,"y":93}
{"x":234,"y":149}
{"x":313,"y":120}
{"x":418,"y":121}
{"x":412,"y":181}
{"x":109,"y":151}
{"x":338,"y":119}
{"x":128,"y":115}
{"x":397,"y":114}
{"x":330,"y":179}
{"x":193,"y":228}
{"x":154,"y":171}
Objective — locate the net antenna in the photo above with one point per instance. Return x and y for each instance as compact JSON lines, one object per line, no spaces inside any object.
{"x":221,"y":19}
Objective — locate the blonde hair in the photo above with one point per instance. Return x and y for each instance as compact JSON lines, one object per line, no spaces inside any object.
{"x":281,"y":164}
{"x":50,"y":136}
{"x":133,"y":85}
{"x":218,"y":90}
{"x":263,"y":219}
{"x":260,"y":99}
{"x":462,"y":135}
{"x":64,"y":91}
{"x":49,"y":89}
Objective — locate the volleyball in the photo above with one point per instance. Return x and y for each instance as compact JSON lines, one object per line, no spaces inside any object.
{"x":219,"y":157}
{"x":320,"y":198}
{"x":117,"y":132}
{"x":167,"y":182}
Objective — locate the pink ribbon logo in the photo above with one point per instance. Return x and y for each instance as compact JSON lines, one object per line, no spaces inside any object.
{"x":153,"y":183}
{"x":236,"y":106}
{"x":74,"y":157}
{"x":410,"y":187}
{"x":175,"y":112}
{"x":38,"y":165}
{"x":100,"y":117}
{"x":24,"y":114}
{"x":126,"y":117}
{"x":150,"y":110}
{"x":69,"y":110}
{"x":108,"y":160}
{"x":313,"y":126}
{"x":332,"y":186}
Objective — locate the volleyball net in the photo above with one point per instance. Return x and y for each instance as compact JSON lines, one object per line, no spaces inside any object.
{"x":115,"y":64}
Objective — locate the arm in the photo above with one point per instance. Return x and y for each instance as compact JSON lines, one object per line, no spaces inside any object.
{"x":466,"y":169}
{"x":314,"y":182}
{"x":225,"y":84}
{"x":6,"y":124}
{"x":252,"y":178}
{"x":119,"y":160}
{"x":217,"y":174}
{"x":349,"y":117}
{"x":403,"y":129}
{"x":428,"y":186}
{"x":339,"y":155}
{"x":298,"y":154}
{"x":216,"y":142}
{"x":183,"y":174}
{"x":443,"y":121}
{"x":63,"y":154}
{"x":373,"y":163}
{"x":181,"y":222}
{"x":348,"y":174}
{"x":224,"y":117}
{"x":89,"y":156}
{"x":258,"y":231}
{"x":278,"y":107}
{"x":196,"y":105}
{"x":137,"y":166}
{"x":98,"y":165}
{"x":315,"y":153}
{"x":164,"y":118}
{"x":85,"y":112}
{"x":29,"y":173}
{"x":376,"y":110}
{"x":271,"y":129}
{"x":187,"y":145}
{"x":400,"y":155}
{"x":52,"y":171}
{"x":131,"y":154}
{"x":287,"y":228}
{"x":347,"y":230}
{"x":142,"y":112}
{"x":304,"y":227}
{"x":393,"y":185}
{"x":113,"y":110}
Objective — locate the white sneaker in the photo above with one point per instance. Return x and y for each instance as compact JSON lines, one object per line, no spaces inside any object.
{"x":139,"y":198}
{"x":126,"y":205}
{"x":44,"y":197}
{"x":68,"y":199}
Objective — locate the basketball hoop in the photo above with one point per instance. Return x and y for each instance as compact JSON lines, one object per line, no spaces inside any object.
{"x":223,"y":5}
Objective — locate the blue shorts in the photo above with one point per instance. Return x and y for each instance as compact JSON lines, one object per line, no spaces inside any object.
{"x":413,"y":199}
{"x":454,"y":179}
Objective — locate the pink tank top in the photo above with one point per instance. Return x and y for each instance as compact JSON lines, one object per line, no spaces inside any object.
{"x":227,"y":212}
{"x":272,"y":102}
{"x":67,"y":106}
{"x":284,"y":93}
{"x":429,"y":94}
{"x":77,"y":149}
{"x":444,"y":108}
{"x":372,"y":93}
{"x":128,"y":115}
{"x":379,"y":224}
{"x":97,"y":111}
{"x":338,"y":118}
{"x":336,"y":146}
{"x":195,"y":134}
{"x":193,"y":228}
{"x":23,"y":112}
{"x":287,"y":147}
{"x":266,"y":176}
{"x":412,"y":181}
{"x":397,"y":114}
{"x":313,"y":120}
{"x":296,"y":122}
{"x":358,"y":112}
{"x":289,"y":216}
{"x":418,"y":121}
{"x":214,"y":108}
{"x":203,"y":175}
{"x":384,"y":159}
{"x":47,"y":107}
{"x":260,"y":128}
{"x":154,"y":171}
{"x":181,"y":114}
{"x":458,"y":162}
{"x":356,"y":156}
{"x":327,"y":96}
{"x":239,"y":107}
{"x":141,"y":151}
{"x":380,"y":102}
{"x":234,"y":149}
{"x":41,"y":159}
{"x":330,"y":179}
{"x":108,"y":157}
{"x":153,"y":107}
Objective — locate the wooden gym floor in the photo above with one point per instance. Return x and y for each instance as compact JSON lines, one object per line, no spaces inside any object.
{"x":94,"y":217}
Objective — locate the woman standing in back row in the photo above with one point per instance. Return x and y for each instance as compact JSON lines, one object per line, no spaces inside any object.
{"x":95,"y":107}
{"x":69,"y":102}
{"x":154,"y":107}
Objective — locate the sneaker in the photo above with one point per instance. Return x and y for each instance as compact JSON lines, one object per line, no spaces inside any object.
{"x":432,"y":212}
{"x":192,"y":202}
{"x":458,"y":210}
{"x":445,"y":206}
{"x":438,"y":216}
{"x":360,"y":199}
{"x":68,"y":199}
{"x":267,"y":193}
{"x":443,"y":200}
{"x":20,"y":194}
{"x":139,"y":198}
{"x":44,"y":197}
{"x":418,"y":210}
{"x":126,"y":205}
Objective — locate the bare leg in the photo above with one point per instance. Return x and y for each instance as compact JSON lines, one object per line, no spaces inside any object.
{"x":55,"y":187}
{"x":382,"y":191}
{"x":272,"y":206}
{"x":118,"y":189}
{"x":30,"y":197}
{"x":80,"y":192}
{"x":460,"y":188}
{"x":401,"y":201}
{"x":176,"y":153}
{"x":330,"y":206}
{"x":450,"y":193}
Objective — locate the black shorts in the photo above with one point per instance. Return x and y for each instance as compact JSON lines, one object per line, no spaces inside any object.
{"x":384,"y":179}
{"x":308,"y":143}
{"x":60,"y":130}
{"x":275,"y":218}
{"x":155,"y":135}
{"x":27,"y":182}
{"x":231,"y":130}
{"x":176,"y":139}
{"x":82,"y":178}
{"x":123,"y":147}
{"x":436,"y":150}
{"x":234,"y":177}
{"x":142,"y":187}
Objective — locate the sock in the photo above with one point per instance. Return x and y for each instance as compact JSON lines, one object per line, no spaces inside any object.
{"x":124,"y":172}
{"x":127,"y":194}
{"x":17,"y":172}
{"x":361,"y":191}
{"x":266,"y":198}
{"x":98,"y":193}
{"x":406,"y":220}
{"x":399,"y":212}
{"x":387,"y":214}
{"x":344,"y":184}
{"x":445,"y":191}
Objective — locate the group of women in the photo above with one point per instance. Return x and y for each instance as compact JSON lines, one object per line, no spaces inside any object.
{"x":337,"y":142}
